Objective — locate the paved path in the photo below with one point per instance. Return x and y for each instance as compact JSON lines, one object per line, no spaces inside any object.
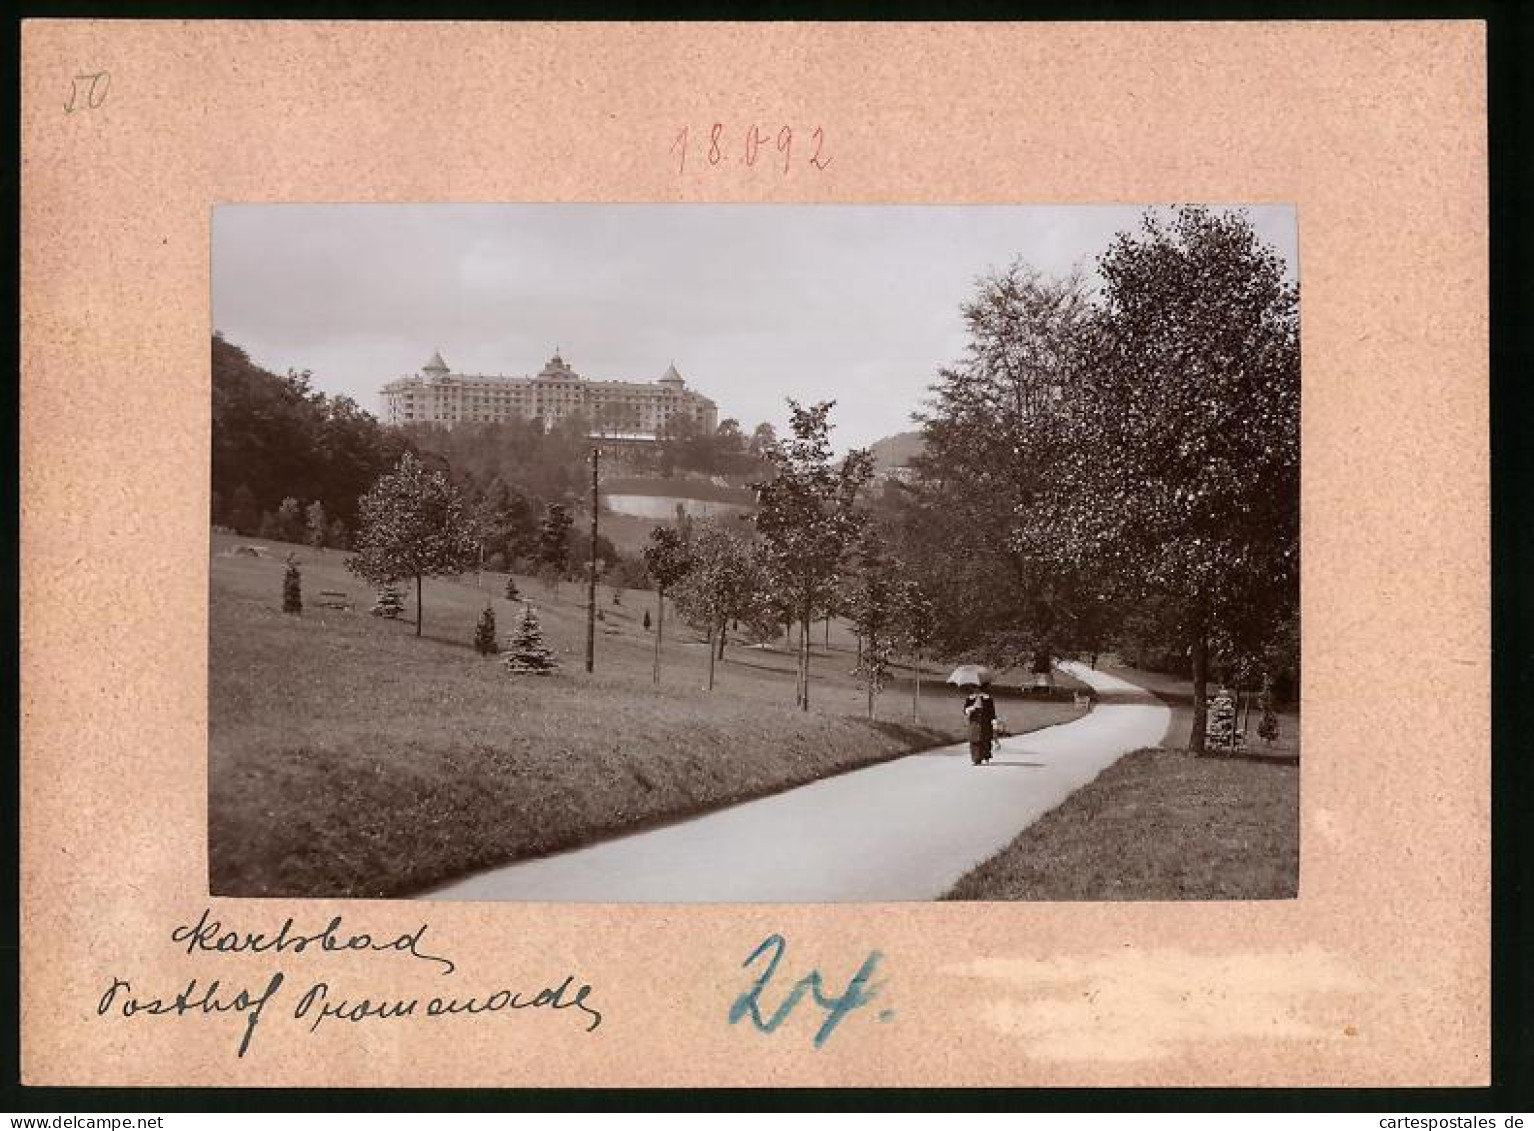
{"x":901,"y":830}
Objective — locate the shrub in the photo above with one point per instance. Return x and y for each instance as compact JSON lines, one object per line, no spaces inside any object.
{"x":292,"y":590}
{"x":1267,"y":726}
{"x":484,"y":634}
{"x":389,"y":603}
{"x":528,"y":654}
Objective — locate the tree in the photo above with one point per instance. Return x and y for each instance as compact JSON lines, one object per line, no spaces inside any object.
{"x":915,"y":627}
{"x":243,"y":514}
{"x":807,"y":520}
{"x":764,"y":437}
{"x":666,"y":561}
{"x":512,"y":594}
{"x":337,"y":537}
{"x":719,"y":586}
{"x":1267,"y":726}
{"x":276,"y":437}
{"x":528,"y":655}
{"x":993,"y":434}
{"x":506,"y":521}
{"x":873,"y":602}
{"x":292,"y":590}
{"x":553,"y":554}
{"x":1179,"y":478}
{"x":290,"y":520}
{"x":413,"y":523}
{"x":484,"y":633}
{"x":316,"y":528}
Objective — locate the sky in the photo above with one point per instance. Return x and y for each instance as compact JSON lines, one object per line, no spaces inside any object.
{"x":752,"y":303}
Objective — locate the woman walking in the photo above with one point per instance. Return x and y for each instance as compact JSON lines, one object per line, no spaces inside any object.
{"x":980,"y":711}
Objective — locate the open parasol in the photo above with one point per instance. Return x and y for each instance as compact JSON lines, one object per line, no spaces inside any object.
{"x":965,"y":674}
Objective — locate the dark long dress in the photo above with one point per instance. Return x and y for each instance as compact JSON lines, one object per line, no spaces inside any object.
{"x":980,"y":710}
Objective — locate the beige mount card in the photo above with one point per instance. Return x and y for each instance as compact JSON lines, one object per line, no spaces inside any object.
{"x":1376,"y":974}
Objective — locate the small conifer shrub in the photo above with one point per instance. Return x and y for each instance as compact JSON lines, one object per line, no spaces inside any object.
{"x":528,"y":655}
{"x":293,"y":590}
{"x":484,"y":634}
{"x":389,"y":603}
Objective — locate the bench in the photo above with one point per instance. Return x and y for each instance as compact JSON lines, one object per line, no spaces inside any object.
{"x":333,"y":599}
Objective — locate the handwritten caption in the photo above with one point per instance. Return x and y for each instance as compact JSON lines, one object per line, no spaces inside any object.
{"x":859,"y":992}
{"x":88,"y":91}
{"x":323,"y":1001}
{"x":720,"y":145}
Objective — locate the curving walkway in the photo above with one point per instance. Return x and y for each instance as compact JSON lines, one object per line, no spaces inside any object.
{"x":901,"y":830}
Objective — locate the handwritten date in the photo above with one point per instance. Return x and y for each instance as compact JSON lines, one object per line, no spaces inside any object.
{"x":723,"y":146}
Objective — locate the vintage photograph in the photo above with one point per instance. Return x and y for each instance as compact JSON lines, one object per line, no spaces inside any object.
{"x":755,"y":553}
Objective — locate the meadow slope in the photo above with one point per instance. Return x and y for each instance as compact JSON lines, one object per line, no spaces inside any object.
{"x":348,"y":757}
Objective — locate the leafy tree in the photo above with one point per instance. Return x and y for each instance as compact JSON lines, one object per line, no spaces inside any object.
{"x":292,"y":590}
{"x":719,"y":586}
{"x":506,"y":520}
{"x":290,"y":520}
{"x":764,"y":437}
{"x":528,"y":655}
{"x":243,"y":515}
{"x":915,"y":628}
{"x":338,"y":536}
{"x":993,"y":433}
{"x":316,"y":528}
{"x":1179,"y":477}
{"x":484,"y":633}
{"x":667,"y":561}
{"x":874,"y":602}
{"x":808,"y":520}
{"x":413,"y":523}
{"x":607,"y":553}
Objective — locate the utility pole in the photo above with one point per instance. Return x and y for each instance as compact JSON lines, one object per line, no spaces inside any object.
{"x":591,"y":581}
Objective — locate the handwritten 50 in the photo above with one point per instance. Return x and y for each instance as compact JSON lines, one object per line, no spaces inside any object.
{"x":727,"y":146}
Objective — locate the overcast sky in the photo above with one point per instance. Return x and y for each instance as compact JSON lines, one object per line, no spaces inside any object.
{"x":753,"y":303}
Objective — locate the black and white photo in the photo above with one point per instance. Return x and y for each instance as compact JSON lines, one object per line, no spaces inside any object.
{"x":755,"y":554}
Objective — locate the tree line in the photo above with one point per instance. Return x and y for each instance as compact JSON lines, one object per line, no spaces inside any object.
{"x":285,"y":454}
{"x":1115,"y":461}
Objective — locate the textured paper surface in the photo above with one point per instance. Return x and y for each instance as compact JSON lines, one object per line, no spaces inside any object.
{"x":1377,"y":974}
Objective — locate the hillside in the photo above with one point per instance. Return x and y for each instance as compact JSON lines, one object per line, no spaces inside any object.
{"x":349,"y":757}
{"x":896,"y":451}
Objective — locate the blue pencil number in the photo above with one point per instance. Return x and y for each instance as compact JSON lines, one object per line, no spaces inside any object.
{"x":859,"y":992}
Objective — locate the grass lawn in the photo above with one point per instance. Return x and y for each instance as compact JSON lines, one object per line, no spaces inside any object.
{"x":348,"y":757}
{"x":1158,"y":824}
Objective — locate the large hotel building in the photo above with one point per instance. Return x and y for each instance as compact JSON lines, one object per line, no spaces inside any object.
{"x":631,"y":410}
